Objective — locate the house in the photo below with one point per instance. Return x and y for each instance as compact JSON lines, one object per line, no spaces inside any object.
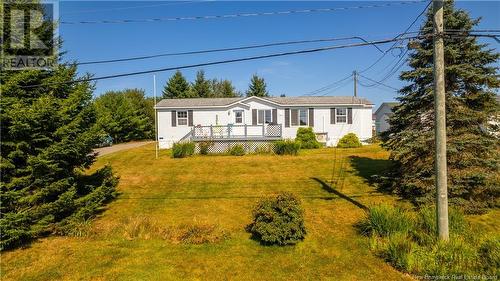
{"x":261,"y":119}
{"x":382,"y":115}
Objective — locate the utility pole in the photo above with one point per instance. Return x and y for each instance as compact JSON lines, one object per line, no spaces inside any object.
{"x":440,"y":123}
{"x":156,"y":117}
{"x":355,"y":78}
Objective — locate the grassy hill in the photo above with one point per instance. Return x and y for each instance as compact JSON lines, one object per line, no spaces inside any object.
{"x":185,"y":219}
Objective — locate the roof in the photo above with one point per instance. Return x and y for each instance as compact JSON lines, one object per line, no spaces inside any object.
{"x":388,"y":104}
{"x":223,"y":102}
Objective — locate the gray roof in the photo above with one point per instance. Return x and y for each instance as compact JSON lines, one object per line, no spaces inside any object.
{"x":207,"y":102}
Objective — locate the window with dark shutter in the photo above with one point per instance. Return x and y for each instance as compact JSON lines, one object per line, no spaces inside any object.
{"x":254,"y":117}
{"x":295,"y":117}
{"x":190,"y":118}
{"x":287,"y":117}
{"x":311,"y":117}
{"x":332,"y":115}
{"x":174,"y":118}
{"x":349,"y":116}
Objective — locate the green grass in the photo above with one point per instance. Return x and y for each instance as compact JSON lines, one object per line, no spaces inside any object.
{"x":215,"y":196}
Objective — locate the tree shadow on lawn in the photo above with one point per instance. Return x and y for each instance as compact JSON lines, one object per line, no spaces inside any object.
{"x":374,"y":172}
{"x":330,"y":189}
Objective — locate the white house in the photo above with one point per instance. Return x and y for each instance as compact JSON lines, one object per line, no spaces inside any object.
{"x":262,"y":118}
{"x":382,"y":115}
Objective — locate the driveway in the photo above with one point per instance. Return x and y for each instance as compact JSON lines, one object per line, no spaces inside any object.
{"x":118,"y":147}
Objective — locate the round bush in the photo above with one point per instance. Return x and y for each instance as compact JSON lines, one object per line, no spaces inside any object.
{"x":307,"y":138}
{"x":286,"y":147}
{"x":279,"y":220}
{"x":237,"y":150}
{"x":349,"y":141}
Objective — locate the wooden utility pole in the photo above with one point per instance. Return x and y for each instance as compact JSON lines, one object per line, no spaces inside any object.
{"x":355,"y":78}
{"x":440,"y":123}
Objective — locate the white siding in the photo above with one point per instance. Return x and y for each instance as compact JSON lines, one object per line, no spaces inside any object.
{"x":361,"y":121}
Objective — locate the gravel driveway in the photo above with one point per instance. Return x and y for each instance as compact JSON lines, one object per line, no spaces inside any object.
{"x":118,"y":147}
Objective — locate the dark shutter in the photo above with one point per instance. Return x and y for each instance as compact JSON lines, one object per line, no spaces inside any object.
{"x":275,"y":116}
{"x":349,"y":116}
{"x":332,"y":115}
{"x":174,"y":118}
{"x":295,"y":117}
{"x":311,"y":117}
{"x":254,"y":117}
{"x":287,"y":117}
{"x":190,"y":118}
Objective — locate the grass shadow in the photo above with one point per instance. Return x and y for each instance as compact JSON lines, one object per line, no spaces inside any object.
{"x":330,"y":189}
{"x":367,"y":168}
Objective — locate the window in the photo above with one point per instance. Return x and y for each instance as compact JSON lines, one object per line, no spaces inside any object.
{"x":299,"y":117}
{"x":302,"y":117}
{"x":264,"y":116}
{"x":238,"y":116}
{"x":182,"y":118}
{"x":341,"y":115}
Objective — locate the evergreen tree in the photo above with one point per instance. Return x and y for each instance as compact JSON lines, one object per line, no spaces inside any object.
{"x":257,"y":87}
{"x":177,"y":87}
{"x":473,"y":152}
{"x":125,"y":115}
{"x":223,"y":89}
{"x":201,"y":86}
{"x":47,"y":136}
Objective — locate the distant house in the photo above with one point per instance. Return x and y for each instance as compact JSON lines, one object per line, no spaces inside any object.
{"x":382,"y":115}
{"x":262,"y":119}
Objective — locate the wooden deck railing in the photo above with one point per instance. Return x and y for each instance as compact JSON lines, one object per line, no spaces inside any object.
{"x":265,"y":131}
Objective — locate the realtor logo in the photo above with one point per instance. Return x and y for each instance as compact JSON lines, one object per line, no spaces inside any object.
{"x":29,"y":35}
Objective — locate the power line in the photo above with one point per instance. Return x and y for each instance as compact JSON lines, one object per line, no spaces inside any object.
{"x":377,"y":82}
{"x":225,"y":50}
{"x":243,"y":14}
{"x":384,"y":41}
{"x":137,"y":7}
{"x":405,"y":32}
{"x":327,"y":87}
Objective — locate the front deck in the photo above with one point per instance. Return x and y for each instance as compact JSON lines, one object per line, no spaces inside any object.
{"x":237,"y":132}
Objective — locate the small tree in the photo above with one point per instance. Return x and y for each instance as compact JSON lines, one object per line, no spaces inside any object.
{"x":201,"y":86}
{"x":307,"y":138}
{"x":279,"y":220}
{"x":349,"y":141}
{"x":177,"y":87}
{"x":257,"y":87}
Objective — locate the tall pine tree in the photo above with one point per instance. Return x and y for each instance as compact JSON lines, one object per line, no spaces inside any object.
{"x":257,"y":87}
{"x":47,"y":135}
{"x":177,"y":87}
{"x":223,"y":89}
{"x":201,"y":86}
{"x":473,"y":151}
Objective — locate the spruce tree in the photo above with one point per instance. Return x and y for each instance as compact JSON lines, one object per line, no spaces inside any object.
{"x":201,"y":86}
{"x":257,"y":87}
{"x":47,"y":135}
{"x":473,"y":151}
{"x":177,"y":87}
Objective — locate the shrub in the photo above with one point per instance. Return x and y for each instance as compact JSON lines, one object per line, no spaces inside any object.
{"x":408,"y":241}
{"x":489,"y":255}
{"x":307,"y":138}
{"x":349,"y":141}
{"x":236,"y":150}
{"x":278,"y":220}
{"x":263,"y":149}
{"x":286,"y":147}
{"x":385,"y":220}
{"x":205,"y":146}
{"x":183,"y":149}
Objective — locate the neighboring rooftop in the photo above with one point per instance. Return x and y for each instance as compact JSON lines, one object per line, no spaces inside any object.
{"x":207,"y":102}
{"x":388,"y":104}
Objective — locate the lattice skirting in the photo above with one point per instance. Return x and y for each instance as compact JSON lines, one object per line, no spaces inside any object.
{"x":251,"y":146}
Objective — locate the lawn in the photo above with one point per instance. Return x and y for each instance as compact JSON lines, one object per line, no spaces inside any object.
{"x":220,"y":192}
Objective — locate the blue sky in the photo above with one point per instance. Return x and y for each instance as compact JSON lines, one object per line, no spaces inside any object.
{"x":291,"y":75}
